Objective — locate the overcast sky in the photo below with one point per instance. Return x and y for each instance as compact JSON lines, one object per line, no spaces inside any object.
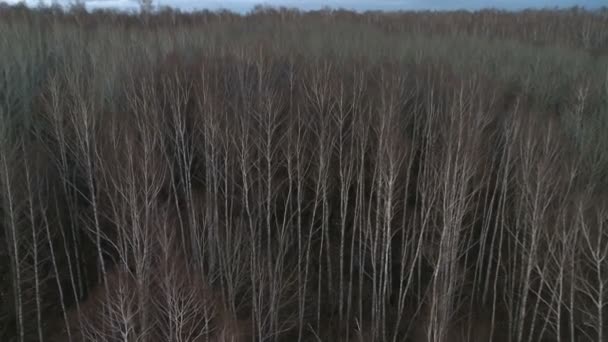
{"x":360,"y":5}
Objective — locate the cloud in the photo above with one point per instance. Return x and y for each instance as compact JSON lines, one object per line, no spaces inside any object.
{"x":123,"y":4}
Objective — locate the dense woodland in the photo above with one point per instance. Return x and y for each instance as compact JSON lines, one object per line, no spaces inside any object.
{"x":303,"y":176}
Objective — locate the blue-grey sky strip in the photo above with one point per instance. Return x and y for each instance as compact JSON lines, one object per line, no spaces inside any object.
{"x":358,"y":5}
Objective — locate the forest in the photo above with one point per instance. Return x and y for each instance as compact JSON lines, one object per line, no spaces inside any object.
{"x":284,"y":175}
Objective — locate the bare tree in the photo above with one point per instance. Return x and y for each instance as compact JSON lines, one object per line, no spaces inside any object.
{"x":146,"y":6}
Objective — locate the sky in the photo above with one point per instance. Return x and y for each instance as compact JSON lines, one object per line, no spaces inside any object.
{"x":358,"y":5}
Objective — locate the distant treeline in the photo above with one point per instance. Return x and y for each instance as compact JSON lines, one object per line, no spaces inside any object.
{"x":575,"y":27}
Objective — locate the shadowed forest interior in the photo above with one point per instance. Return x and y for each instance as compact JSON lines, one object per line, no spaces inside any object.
{"x":303,"y":176}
